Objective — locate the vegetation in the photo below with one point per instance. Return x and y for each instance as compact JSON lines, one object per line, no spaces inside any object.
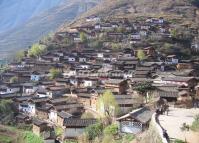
{"x":54,"y":73}
{"x":107,"y":104}
{"x":14,"y":79}
{"x":29,"y":137}
{"x":5,"y":107}
{"x":59,"y":131}
{"x":111,"y":130}
{"x":20,"y":55}
{"x":94,"y":131}
{"x":195,"y":124}
{"x":5,"y":139}
{"x":144,"y":88}
{"x":83,"y":37}
{"x":36,"y":50}
{"x":141,"y":55}
{"x":87,"y":115}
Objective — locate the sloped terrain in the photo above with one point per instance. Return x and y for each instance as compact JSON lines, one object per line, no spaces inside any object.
{"x":25,"y":35}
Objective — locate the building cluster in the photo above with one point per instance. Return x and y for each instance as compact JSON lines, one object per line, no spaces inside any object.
{"x":87,"y":73}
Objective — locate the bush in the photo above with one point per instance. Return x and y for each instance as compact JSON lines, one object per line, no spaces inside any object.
{"x":29,"y":137}
{"x":94,"y":131}
{"x":195,"y":124}
{"x":111,"y":130}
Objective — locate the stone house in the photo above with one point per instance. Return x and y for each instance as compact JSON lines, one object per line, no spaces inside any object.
{"x":75,"y":127}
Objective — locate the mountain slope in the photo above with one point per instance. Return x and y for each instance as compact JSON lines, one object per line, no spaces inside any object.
{"x":181,"y":10}
{"x":16,"y":12}
{"x":25,"y":35}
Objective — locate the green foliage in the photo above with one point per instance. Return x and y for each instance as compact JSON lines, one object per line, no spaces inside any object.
{"x":94,"y":131}
{"x":143,"y":87}
{"x":20,"y":55}
{"x":36,"y":50}
{"x":116,"y":46}
{"x":95,"y":44}
{"x":29,"y":137}
{"x":111,"y":129}
{"x":141,"y":55}
{"x":127,"y":138}
{"x":195,"y":124}
{"x":83,"y":37}
{"x":5,"y":107}
{"x":107,"y":104}
{"x":178,"y":141}
{"x":14,"y":79}
{"x":87,"y":115}
{"x":54,"y":73}
{"x":59,"y":131}
{"x":5,"y":139}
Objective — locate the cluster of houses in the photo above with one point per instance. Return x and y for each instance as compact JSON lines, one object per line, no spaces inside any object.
{"x":119,"y":30}
{"x":87,"y":73}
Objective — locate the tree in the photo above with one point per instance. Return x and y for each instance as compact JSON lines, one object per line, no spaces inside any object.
{"x":94,"y":131}
{"x":111,"y":130}
{"x":36,"y":50}
{"x":107,"y":104}
{"x":14,"y":79}
{"x":54,"y":73}
{"x":141,"y":55}
{"x":83,"y":37}
{"x":144,"y":88}
{"x":20,"y":55}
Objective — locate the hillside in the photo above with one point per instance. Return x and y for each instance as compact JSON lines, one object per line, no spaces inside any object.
{"x":34,"y":29}
{"x":16,"y":12}
{"x":180,"y":10}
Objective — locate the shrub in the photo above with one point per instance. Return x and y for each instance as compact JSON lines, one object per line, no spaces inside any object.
{"x":195,"y":124}
{"x":29,"y":137}
{"x":111,"y":130}
{"x":94,"y":131}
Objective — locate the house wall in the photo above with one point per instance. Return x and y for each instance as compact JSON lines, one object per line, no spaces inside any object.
{"x":60,"y":121}
{"x":30,"y":109}
{"x":73,"y":132}
{"x":53,"y":116}
{"x":130,"y":127}
{"x":42,"y":114}
{"x":36,"y":130}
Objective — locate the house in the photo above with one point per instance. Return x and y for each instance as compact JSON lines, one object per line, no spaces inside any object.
{"x":75,"y":127}
{"x":136,"y":121}
{"x":36,"y":76}
{"x":23,"y":119}
{"x":29,"y":88}
{"x":56,"y":91}
{"x":27,"y":108}
{"x":61,"y":117}
{"x":39,"y":126}
{"x":10,"y":89}
{"x":43,"y":111}
{"x":127,"y":102}
{"x":93,"y":19}
{"x":85,"y":99}
{"x":172,"y":59}
{"x":116,"y":85}
{"x":75,"y":109}
{"x":190,"y":82}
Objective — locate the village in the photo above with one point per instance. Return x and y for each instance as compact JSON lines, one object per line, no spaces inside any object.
{"x":103,"y":69}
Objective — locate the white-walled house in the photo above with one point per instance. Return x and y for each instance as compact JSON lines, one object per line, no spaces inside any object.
{"x":27,"y":108}
{"x":10,"y":89}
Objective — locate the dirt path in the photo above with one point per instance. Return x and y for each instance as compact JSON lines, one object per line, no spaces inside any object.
{"x":173,"y":123}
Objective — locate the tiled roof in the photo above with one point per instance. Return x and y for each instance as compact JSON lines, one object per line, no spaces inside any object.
{"x":79,"y":122}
